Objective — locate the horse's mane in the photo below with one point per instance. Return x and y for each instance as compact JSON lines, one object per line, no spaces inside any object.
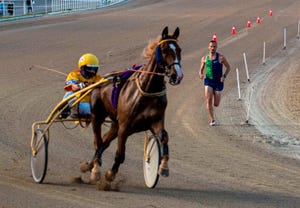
{"x":149,"y":50}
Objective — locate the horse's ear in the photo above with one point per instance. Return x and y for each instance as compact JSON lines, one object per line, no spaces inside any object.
{"x":176,"y":33}
{"x":165,"y":32}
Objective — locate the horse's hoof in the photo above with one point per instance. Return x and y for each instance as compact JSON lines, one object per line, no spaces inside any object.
{"x":85,"y":167}
{"x":104,"y":185}
{"x":163,"y":172}
{"x":163,"y":169}
{"x":95,"y":173}
{"x":96,"y":176}
{"x":110,"y":175}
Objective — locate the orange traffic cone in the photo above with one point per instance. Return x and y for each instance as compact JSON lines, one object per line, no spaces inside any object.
{"x":214,"y":37}
{"x":233,"y":32}
{"x":258,"y":20}
{"x":248,"y":24}
{"x":270,"y":13}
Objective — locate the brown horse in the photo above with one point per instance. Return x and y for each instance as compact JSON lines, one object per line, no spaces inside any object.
{"x":141,"y":104}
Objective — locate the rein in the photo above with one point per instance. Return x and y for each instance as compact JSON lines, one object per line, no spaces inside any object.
{"x":154,"y":94}
{"x":139,"y":71}
{"x":146,"y":94}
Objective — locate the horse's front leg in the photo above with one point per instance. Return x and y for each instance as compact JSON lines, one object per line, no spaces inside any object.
{"x":163,"y":167}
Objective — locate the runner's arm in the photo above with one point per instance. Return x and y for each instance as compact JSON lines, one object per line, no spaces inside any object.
{"x":202,"y":66}
{"x":227,"y":65}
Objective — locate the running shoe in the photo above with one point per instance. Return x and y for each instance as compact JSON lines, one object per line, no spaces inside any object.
{"x":212,"y":123}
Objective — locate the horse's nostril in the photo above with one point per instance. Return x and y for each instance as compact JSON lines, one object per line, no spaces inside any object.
{"x":173,"y":76}
{"x":174,"y":79}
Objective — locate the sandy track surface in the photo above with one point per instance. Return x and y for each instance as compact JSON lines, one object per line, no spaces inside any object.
{"x":230,"y":165}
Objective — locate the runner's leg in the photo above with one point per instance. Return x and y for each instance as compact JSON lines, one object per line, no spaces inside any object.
{"x":209,"y":94}
{"x":217,"y":98}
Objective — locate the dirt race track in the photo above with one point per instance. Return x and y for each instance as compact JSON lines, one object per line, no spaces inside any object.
{"x":230,"y":165}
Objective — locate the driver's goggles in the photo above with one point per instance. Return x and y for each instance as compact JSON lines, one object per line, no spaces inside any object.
{"x":91,"y":68}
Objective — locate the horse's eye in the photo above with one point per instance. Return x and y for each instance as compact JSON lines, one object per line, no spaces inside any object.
{"x":164,"y":51}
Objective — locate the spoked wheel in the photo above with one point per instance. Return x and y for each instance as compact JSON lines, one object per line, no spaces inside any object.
{"x":39,"y":157}
{"x":151,"y":162}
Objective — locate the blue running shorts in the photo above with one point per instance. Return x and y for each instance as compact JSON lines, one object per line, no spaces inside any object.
{"x":216,"y":85}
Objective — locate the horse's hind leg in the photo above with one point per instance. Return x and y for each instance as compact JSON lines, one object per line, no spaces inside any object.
{"x":100,"y":145}
{"x":119,"y":157}
{"x":96,"y":160}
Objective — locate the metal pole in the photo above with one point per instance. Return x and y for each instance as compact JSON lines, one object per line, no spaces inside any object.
{"x":298,"y":33}
{"x":264,"y":53}
{"x":24,"y":7}
{"x":3,"y":8}
{"x":52,"y":5}
{"x":284,"y":38}
{"x":31,"y":4}
{"x":249,"y":104}
{"x":246,"y":67}
{"x":46,"y":7}
{"x":238,"y":83}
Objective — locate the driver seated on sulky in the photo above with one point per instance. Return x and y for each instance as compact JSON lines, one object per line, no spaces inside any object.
{"x":85,"y":75}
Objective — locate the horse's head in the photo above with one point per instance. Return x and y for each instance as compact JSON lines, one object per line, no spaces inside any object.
{"x":168,"y":56}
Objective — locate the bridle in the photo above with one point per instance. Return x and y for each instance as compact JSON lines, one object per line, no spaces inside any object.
{"x":161,"y":63}
{"x":167,"y":67}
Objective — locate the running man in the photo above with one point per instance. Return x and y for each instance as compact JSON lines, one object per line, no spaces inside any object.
{"x":214,"y":79}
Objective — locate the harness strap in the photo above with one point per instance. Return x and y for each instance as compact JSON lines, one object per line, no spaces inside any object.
{"x":146,"y":94}
{"x":165,"y":40}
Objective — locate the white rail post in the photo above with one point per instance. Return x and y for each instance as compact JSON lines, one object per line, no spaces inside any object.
{"x":238,"y":83}
{"x":3,"y":8}
{"x":46,"y":7}
{"x":246,"y":67}
{"x":284,"y":38}
{"x":249,"y":105}
{"x":264,"y":54}
{"x":298,"y":33}
{"x":24,"y":7}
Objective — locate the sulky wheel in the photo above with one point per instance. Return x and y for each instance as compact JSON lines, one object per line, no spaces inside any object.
{"x":39,"y":156}
{"x":151,"y":162}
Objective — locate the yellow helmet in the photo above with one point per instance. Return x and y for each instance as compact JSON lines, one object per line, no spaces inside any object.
{"x":88,"y":59}
{"x":88,"y":64}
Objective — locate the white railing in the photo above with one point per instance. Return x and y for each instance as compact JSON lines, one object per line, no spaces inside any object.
{"x":15,"y":8}
{"x":76,"y":5}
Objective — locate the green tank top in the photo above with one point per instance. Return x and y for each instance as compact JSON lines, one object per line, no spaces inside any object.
{"x":213,"y":68}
